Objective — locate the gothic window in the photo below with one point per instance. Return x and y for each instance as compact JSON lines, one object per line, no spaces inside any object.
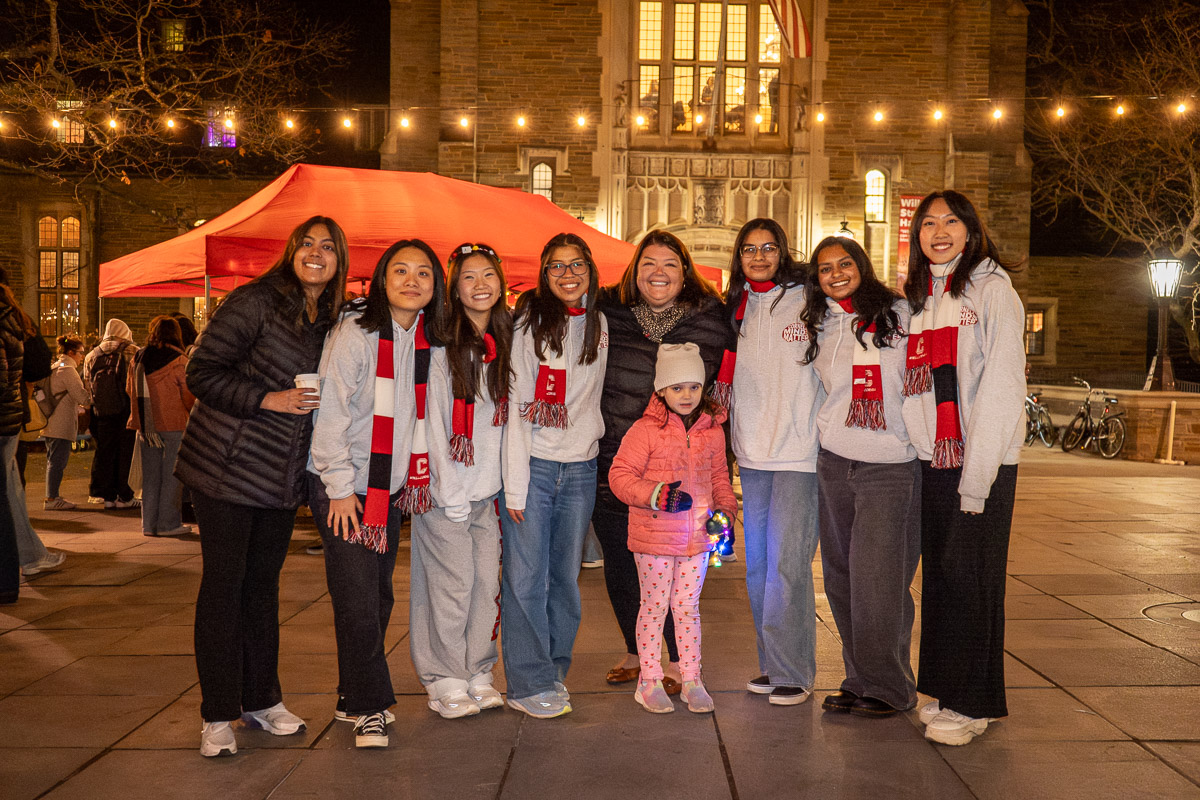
{"x":172,"y":34}
{"x":542,"y":180}
{"x":67,"y":125}
{"x":876,"y":197}
{"x":678,"y":55}
{"x":59,"y":248}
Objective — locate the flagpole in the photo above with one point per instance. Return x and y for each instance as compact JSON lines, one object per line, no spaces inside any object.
{"x":718,"y":93}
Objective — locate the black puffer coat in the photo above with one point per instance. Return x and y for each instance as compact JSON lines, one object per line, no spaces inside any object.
{"x":629,"y":379}
{"x":233,"y":450}
{"x":12,"y":358}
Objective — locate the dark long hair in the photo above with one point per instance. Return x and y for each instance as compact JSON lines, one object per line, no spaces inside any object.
{"x":464,"y":345}
{"x":282,"y":275}
{"x":543,"y":313}
{"x":695,"y":286}
{"x":165,"y":332}
{"x":377,"y":312}
{"x":187,"y":328}
{"x":790,"y":273}
{"x":872,"y":300}
{"x":979,"y":246}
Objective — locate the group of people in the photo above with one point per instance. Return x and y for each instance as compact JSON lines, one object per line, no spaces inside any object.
{"x":886,"y":428}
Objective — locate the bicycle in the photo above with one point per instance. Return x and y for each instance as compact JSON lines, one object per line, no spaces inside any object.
{"x":1038,"y":424}
{"x":1106,"y":433}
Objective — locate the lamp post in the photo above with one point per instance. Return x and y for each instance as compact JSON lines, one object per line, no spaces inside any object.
{"x":1164,"y":277}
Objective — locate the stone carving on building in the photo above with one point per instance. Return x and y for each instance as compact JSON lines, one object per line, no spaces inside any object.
{"x":708,"y":203}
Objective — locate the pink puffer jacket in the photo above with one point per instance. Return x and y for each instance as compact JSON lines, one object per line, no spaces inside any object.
{"x":652,"y":452}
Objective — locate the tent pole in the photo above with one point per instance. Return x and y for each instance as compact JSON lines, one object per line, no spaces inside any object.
{"x":207,"y":301}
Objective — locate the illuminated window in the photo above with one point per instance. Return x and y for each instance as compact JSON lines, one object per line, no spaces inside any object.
{"x":876,"y":196}
{"x":1035,"y":333}
{"x":542,"y":180}
{"x":220,"y":130}
{"x":172,"y":34}
{"x":686,"y":59}
{"x":70,"y":127}
{"x":59,"y":243}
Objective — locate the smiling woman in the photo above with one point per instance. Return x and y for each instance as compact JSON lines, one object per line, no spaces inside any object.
{"x":661,"y":299}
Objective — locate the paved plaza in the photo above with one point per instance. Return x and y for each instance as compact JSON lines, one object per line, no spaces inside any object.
{"x":99,"y":698}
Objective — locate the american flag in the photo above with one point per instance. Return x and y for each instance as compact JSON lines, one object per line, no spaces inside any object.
{"x":791,"y":24}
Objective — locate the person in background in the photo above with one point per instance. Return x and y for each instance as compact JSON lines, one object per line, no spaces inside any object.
{"x":187,"y":330}
{"x":162,"y":402}
{"x":244,"y":454}
{"x":105,"y":373}
{"x":62,"y":428}
{"x":869,"y":477}
{"x":12,"y":412}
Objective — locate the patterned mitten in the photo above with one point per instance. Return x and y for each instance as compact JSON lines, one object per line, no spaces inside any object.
{"x":670,"y":499}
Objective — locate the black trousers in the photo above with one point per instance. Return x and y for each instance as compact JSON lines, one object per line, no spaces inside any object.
{"x":360,"y":586}
{"x":610,"y":518}
{"x":962,"y":600}
{"x":10,"y":559}
{"x":114,"y":455}
{"x":237,"y":611}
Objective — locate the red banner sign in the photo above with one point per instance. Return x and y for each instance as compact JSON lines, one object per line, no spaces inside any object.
{"x":908,"y":205}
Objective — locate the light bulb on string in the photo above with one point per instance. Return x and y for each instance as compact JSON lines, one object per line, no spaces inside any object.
{"x":112,"y":123}
{"x":521,"y":122}
{"x":289,"y":124}
{"x":997,"y":114}
{"x":758,"y":118}
{"x":937,"y":114}
{"x":346,"y":122}
{"x":55,"y":124}
{"x":170,"y":122}
{"x":228,"y":122}
{"x":404,"y":123}
{"x":1181,"y":108}
{"x":1060,"y":112}
{"x":464,"y":122}
{"x":640,"y":120}
{"x":699,"y":119}
{"x":1120,"y":111}
{"x":879,"y":116}
{"x":581,"y":121}
{"x":820,"y":116}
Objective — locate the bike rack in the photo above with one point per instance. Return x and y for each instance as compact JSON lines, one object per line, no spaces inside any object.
{"x":1170,"y":441}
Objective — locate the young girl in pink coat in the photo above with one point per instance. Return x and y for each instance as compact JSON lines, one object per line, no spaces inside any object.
{"x":671,"y":471}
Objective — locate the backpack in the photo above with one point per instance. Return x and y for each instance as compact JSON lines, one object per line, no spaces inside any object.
{"x":107,"y":374}
{"x":46,"y":400}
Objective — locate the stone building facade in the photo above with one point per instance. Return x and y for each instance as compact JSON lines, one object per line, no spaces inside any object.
{"x":623,"y":127}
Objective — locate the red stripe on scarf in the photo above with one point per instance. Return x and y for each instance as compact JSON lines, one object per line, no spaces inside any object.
{"x":866,"y":383}
{"x":416,"y":496}
{"x":462,"y":431}
{"x":372,"y":532}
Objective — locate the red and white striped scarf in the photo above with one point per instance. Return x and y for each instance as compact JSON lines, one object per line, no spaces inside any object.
{"x":722,"y":391}
{"x":866,"y":392}
{"x":549,"y":405}
{"x":462,"y":418}
{"x":415,"y":497}
{"x":933,"y":364}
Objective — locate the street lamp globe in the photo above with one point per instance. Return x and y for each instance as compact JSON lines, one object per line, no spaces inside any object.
{"x":1164,"y":277}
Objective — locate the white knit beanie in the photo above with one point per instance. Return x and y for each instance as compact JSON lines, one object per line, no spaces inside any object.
{"x":678,"y":363}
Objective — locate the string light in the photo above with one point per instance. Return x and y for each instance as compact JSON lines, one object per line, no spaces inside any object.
{"x":758,"y":118}
{"x":520,"y":122}
{"x":581,"y":120}
{"x":112,"y":123}
{"x":640,"y":120}
{"x":170,"y":122}
{"x":820,"y":116}
{"x":937,"y":114}
{"x":1120,"y":111}
{"x":463,"y":121}
{"x":1181,"y":108}
{"x":997,"y":114}
{"x":699,"y":119}
{"x":289,"y":124}
{"x":879,"y":116}
{"x":228,"y":122}
{"x":1061,"y":112}
{"x":55,"y":123}
{"x":404,"y":123}
{"x":346,"y":123}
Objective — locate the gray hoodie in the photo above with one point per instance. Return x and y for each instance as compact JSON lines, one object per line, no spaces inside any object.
{"x":991,"y":382}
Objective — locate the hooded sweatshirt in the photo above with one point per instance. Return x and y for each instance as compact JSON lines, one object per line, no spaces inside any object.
{"x":579,"y":441}
{"x":775,"y":397}
{"x":991,"y":381}
{"x":835,"y":366}
{"x":116,"y":333}
{"x":455,"y":485}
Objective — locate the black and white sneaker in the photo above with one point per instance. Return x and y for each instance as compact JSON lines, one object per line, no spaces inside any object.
{"x":340,"y":714}
{"x":788,"y":695}
{"x":759,"y":685}
{"x":371,"y":731}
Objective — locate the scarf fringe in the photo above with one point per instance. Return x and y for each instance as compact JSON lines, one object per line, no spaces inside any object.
{"x":947,"y":454}
{"x":500,"y":417}
{"x":918,"y":380}
{"x":372,"y":537}
{"x":722,"y":394}
{"x":866,"y":413}
{"x":415,"y":500}
{"x":547,"y":415}
{"x":462,"y":450}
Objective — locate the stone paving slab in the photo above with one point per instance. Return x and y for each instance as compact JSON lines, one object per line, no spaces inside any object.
{"x":98,"y":696}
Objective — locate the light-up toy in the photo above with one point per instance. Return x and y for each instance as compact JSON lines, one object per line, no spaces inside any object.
{"x":720,"y":534}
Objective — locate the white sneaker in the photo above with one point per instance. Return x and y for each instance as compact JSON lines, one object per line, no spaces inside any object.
{"x":595,"y":563}
{"x":53,"y":560}
{"x":276,"y":719}
{"x":486,"y":696}
{"x":454,"y":705}
{"x":371,"y":731}
{"x":929,"y":711}
{"x":561,"y":690}
{"x":216,"y":738}
{"x":131,"y":503}
{"x":182,"y":530}
{"x":57,"y":504}
{"x":950,"y":727}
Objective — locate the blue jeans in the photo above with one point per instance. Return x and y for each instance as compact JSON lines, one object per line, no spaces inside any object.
{"x":539,"y":590}
{"x":58,"y":451}
{"x":29,"y":546}
{"x":162,"y":497}
{"x":779,"y":515}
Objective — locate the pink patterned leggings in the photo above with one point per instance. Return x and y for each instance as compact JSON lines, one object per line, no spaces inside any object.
{"x":670,"y":582}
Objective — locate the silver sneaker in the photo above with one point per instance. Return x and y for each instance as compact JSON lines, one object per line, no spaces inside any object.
{"x":216,"y":738}
{"x":276,"y":719}
{"x":53,"y":560}
{"x":543,"y":705}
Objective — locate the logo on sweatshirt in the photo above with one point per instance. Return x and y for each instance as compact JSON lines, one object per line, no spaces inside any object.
{"x":796,"y":332}
{"x":603,"y":340}
{"x":967,"y":317}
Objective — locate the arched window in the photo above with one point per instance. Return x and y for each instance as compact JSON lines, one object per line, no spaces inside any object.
{"x":59,"y":246}
{"x":542,"y":180}
{"x":876,"y":197}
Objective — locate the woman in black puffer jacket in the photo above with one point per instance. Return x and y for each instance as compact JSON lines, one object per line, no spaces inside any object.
{"x":12,"y":413}
{"x":244,"y":455}
{"x":660,"y":299}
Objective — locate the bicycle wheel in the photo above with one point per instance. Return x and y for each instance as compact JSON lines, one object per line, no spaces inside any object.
{"x":1030,"y":431}
{"x":1073,"y":436}
{"x":1046,"y":430}
{"x":1110,"y":437}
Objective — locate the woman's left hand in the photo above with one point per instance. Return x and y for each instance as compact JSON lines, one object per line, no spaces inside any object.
{"x":343,"y":515}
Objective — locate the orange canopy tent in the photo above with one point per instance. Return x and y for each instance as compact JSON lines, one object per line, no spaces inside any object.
{"x":375,"y":208}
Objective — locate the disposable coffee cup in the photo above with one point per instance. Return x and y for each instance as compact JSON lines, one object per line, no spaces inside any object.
{"x":309,"y":380}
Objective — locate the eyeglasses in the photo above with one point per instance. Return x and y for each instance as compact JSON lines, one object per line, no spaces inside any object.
{"x":751,"y":250}
{"x":558,"y":268}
